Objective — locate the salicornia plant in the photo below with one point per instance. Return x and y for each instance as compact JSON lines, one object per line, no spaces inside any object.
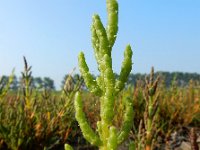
{"x":107,"y":136}
{"x":146,"y":131}
{"x":151,"y":112}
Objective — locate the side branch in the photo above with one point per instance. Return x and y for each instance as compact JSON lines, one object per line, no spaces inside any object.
{"x":102,"y":36}
{"x":127,"y":121}
{"x":125,"y":69}
{"x":112,"y":25}
{"x":88,"y":133}
{"x":88,"y":78}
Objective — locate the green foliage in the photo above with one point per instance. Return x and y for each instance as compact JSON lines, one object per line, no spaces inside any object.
{"x":68,"y":147}
{"x":106,"y":86}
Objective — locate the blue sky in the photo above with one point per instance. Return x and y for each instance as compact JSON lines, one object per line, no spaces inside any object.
{"x":164,"y":34}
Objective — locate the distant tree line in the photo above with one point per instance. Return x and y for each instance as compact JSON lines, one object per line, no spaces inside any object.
{"x":36,"y":82}
{"x":182,"y":79}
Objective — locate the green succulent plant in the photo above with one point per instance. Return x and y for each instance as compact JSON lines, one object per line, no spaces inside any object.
{"x":106,"y":86}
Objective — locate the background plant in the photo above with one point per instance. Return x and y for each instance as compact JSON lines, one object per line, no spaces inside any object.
{"x":148,"y":102}
{"x":36,"y":118}
{"x":175,"y":109}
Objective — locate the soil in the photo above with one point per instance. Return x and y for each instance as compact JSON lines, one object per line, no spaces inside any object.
{"x":179,"y":140}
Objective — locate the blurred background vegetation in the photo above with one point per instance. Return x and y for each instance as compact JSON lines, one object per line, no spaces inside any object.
{"x":34,"y":115}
